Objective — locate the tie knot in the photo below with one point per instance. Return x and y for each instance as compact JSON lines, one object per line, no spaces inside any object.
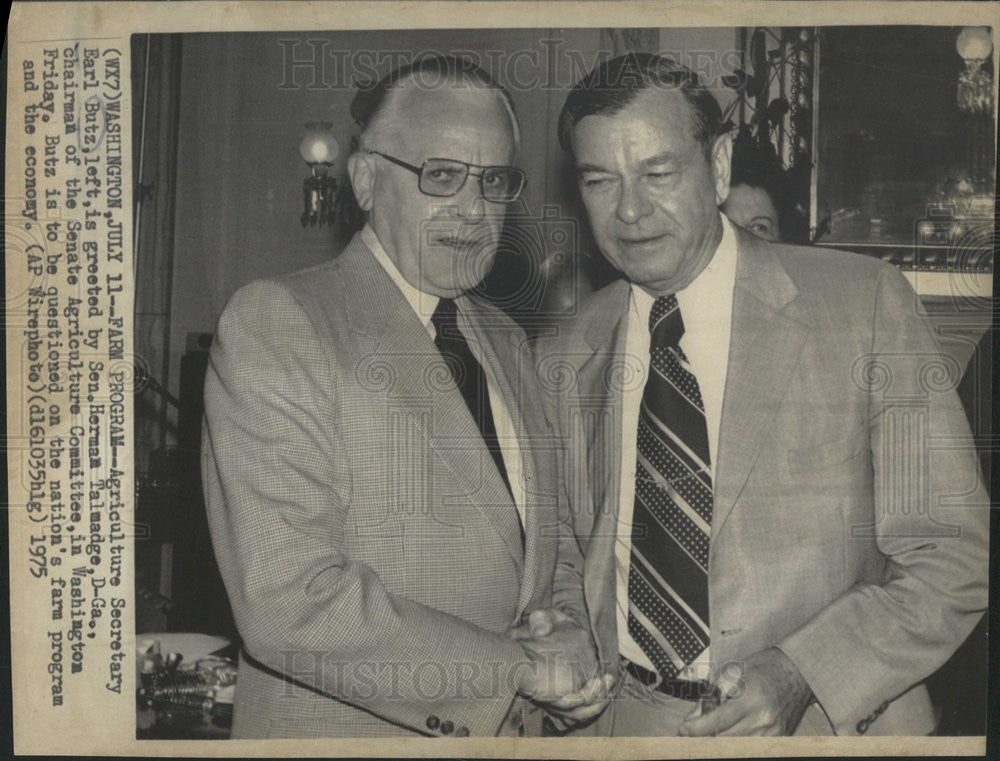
{"x":445,"y":318}
{"x":665,"y":322}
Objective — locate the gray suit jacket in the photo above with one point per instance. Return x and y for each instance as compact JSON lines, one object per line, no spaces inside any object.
{"x":850,"y":525}
{"x":370,"y":549}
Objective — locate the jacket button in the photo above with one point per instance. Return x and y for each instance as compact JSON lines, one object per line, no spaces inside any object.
{"x":433,"y":722}
{"x":447,"y":727}
{"x":462,"y":732}
{"x":863,"y":726}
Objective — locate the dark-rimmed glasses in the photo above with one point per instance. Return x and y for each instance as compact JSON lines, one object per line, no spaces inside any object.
{"x":445,"y":177}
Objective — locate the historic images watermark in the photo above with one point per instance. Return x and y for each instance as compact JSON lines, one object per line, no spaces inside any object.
{"x":315,"y":64}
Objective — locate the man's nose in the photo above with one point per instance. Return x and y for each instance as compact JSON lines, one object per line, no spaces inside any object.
{"x":632,"y":203}
{"x":470,"y":204}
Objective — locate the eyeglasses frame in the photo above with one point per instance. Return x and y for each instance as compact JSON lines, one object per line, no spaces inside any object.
{"x":419,"y":171}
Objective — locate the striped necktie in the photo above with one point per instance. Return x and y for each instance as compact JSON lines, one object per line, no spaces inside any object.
{"x":671,"y":519}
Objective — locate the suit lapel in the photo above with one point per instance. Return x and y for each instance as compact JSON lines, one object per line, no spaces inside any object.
{"x":769,"y":329}
{"x":504,"y":367}
{"x":407,"y":365}
{"x":599,"y":406}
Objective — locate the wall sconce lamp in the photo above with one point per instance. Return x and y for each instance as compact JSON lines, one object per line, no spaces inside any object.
{"x":975,"y":100}
{"x":975,"y":84}
{"x":319,"y":150}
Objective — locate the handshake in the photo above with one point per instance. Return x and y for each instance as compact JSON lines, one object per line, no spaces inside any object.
{"x":562,"y":674}
{"x":765,"y":696}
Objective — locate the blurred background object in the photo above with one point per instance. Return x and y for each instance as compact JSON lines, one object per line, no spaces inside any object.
{"x":184,"y":686}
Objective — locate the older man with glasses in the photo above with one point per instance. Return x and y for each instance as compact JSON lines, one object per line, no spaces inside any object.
{"x":381,"y":499}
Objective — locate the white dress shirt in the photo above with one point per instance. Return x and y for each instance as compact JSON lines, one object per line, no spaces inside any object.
{"x":707,"y":308}
{"x":423,"y":305}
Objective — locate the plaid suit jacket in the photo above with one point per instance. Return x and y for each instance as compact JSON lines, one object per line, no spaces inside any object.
{"x":369,"y":547}
{"x":850,"y":524}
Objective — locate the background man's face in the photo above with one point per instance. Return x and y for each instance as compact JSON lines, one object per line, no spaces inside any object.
{"x":442,"y":246}
{"x":651,"y":193}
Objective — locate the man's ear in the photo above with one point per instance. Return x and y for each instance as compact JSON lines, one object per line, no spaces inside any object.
{"x":722,"y":156}
{"x":361,"y":170}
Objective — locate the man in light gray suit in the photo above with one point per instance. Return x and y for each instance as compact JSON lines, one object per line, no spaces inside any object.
{"x":771,"y":479}
{"x":379,"y":473}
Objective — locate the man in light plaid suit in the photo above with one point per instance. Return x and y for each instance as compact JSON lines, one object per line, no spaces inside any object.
{"x":783,"y":521}
{"x":380,"y":475}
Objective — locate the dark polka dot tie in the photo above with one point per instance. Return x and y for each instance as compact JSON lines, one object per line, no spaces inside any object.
{"x":672,"y":515}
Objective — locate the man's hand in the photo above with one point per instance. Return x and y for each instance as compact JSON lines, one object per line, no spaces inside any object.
{"x":586,"y":704}
{"x":768,"y":698}
{"x":563,"y":673}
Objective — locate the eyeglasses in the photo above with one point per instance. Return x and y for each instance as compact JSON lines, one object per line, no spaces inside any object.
{"x":445,"y":177}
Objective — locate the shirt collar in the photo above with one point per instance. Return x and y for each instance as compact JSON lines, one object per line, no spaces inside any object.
{"x":710,"y":282}
{"x":717,"y":279}
{"x":423,"y":304}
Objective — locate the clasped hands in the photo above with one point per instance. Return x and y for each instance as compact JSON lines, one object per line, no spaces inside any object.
{"x":562,"y":673}
{"x":767,"y":697}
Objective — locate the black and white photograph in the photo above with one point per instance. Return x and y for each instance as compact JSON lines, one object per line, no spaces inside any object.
{"x":607,"y":382}
{"x":500,"y":379}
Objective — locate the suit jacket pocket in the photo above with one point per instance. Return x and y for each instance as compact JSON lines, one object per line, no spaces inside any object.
{"x":817,"y":457}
